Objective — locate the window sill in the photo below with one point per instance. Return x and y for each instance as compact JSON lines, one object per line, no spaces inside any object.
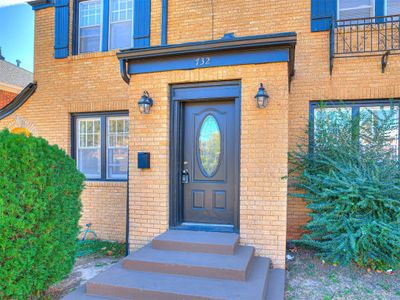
{"x":107,"y":183}
{"x":88,"y":55}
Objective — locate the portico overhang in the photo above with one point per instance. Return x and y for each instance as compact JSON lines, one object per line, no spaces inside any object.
{"x":227,"y":51}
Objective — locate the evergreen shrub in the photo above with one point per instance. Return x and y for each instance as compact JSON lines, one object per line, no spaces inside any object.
{"x":40,"y":207}
{"x":348,"y":173}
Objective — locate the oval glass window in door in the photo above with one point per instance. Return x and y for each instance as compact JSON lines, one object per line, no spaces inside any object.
{"x":209,"y":145}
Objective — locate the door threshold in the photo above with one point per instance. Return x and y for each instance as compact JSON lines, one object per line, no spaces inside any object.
{"x":206,"y":227}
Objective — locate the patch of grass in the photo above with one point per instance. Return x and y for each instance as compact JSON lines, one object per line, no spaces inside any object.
{"x":332,"y":277}
{"x":310,"y":269}
{"x":384,"y":286}
{"x":346,"y":292}
{"x":397,"y":293}
{"x":367,"y":290}
{"x":100,"y":248}
{"x":99,"y":265}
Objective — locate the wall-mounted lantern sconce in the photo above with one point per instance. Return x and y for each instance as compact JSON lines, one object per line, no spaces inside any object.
{"x":145,"y":103}
{"x":262,"y":97}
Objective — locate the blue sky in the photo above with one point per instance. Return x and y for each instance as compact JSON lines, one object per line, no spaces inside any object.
{"x":16,"y":34}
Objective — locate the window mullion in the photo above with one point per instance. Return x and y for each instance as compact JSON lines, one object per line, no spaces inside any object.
{"x":103,"y":147}
{"x":355,"y":116}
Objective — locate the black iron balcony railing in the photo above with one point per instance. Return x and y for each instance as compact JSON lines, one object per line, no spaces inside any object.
{"x":365,"y":37}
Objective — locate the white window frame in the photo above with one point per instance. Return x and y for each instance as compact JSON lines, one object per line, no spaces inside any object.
{"x":338,"y":9}
{"x":78,"y":142}
{"x":79,"y":25}
{"x":124,"y":177}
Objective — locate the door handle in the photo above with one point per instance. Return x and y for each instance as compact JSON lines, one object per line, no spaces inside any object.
{"x":185,"y":176}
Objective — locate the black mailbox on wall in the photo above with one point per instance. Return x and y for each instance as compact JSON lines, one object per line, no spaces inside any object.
{"x":144,"y":160}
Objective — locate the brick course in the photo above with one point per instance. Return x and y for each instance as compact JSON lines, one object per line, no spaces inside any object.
{"x":6,"y":97}
{"x":91,"y":82}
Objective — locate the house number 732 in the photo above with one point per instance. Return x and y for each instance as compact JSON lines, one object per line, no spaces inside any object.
{"x":202,"y":61}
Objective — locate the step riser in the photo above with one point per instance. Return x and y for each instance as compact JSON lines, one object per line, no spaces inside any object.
{"x":265,"y":288}
{"x":194,"y":247}
{"x":138,"y":294}
{"x":275,"y":289}
{"x":187,"y":270}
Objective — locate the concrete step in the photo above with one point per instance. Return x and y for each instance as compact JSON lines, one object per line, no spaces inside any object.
{"x":119,"y":282}
{"x":197,"y":241}
{"x":276,"y":285}
{"x":234,"y":267}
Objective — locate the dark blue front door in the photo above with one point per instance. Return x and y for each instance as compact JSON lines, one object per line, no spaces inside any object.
{"x":209,"y":173}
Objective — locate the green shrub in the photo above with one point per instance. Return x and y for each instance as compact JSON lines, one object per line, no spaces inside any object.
{"x":350,"y":178}
{"x":39,"y":212}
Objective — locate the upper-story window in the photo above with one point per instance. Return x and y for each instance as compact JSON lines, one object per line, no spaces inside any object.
{"x":121,"y":15}
{"x":354,"y":9}
{"x":393,"y":7}
{"x":119,"y":30}
{"x":90,"y":26}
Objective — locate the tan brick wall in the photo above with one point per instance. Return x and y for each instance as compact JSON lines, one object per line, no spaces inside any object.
{"x":91,"y":82}
{"x":6,"y":97}
{"x":263,"y":155}
{"x":104,"y":205}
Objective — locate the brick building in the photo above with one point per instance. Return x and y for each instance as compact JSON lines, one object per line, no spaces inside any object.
{"x":13,"y":79}
{"x":217,"y":158}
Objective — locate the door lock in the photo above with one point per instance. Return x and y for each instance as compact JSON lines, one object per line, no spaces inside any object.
{"x":185,"y":176}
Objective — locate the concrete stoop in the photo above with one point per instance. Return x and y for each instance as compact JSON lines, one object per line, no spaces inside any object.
{"x":188,"y":265}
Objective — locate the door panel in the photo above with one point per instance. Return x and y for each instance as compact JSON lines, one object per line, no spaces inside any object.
{"x":209,"y":159}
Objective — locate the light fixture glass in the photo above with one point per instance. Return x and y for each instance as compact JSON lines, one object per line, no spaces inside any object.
{"x":262,"y":98}
{"x":145,"y":103}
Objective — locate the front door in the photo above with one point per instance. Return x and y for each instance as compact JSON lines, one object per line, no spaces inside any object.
{"x":210,"y":160}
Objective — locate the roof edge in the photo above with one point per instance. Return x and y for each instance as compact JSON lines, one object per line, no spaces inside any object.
{"x":228,"y":41}
{"x":284,"y":40}
{"x":19,"y":100}
{"x":41,"y":4}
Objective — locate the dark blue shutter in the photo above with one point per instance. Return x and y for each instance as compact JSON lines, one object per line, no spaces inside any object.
{"x":141,"y":23}
{"x":322,"y":13}
{"x":105,"y":34}
{"x":61,"y":28}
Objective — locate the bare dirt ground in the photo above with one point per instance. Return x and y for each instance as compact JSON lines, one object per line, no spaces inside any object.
{"x":85,"y":268}
{"x":310,"y":278}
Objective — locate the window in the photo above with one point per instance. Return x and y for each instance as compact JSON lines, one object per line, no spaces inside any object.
{"x":101,"y":145}
{"x":393,"y":7}
{"x":117,"y":147}
{"x":121,"y":14}
{"x":93,"y":35}
{"x":89,"y":26}
{"x":354,"y":9}
{"x":330,"y":117}
{"x":366,"y":115}
{"x":88,"y":150}
{"x":371,"y":118}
